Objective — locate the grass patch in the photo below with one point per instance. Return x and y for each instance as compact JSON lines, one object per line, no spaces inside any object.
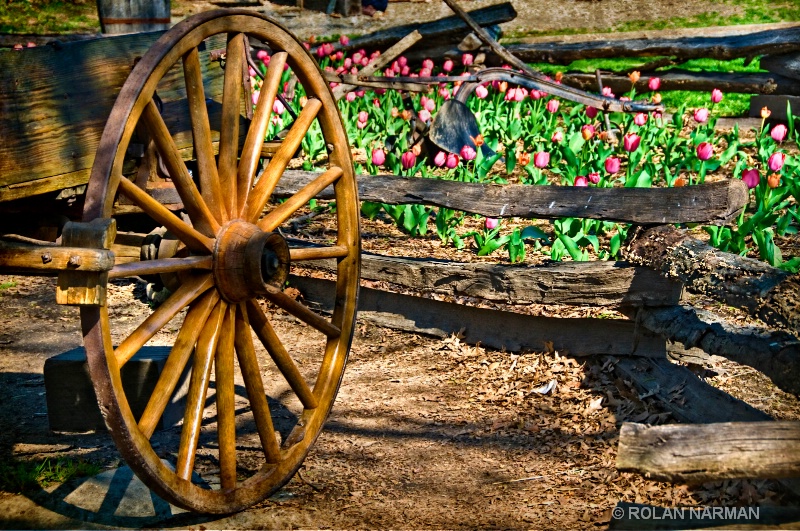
{"x":751,"y":12}
{"x":48,"y":16}
{"x":21,"y":476}
{"x":6,"y":285}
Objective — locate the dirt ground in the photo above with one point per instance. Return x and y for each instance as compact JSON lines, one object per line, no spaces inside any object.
{"x":426,"y":432}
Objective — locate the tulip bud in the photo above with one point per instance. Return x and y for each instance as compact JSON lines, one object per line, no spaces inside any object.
{"x":680,"y":181}
{"x":467,"y":59}
{"x":774,"y":180}
{"x":705,"y":151}
{"x":776,"y":161}
{"x":467,"y":153}
{"x":406,"y":114}
{"x":345,"y":40}
{"x":607,"y":92}
{"x":491,"y":223}
{"x":541,"y":159}
{"x":591,"y":112}
{"x":425,"y":115}
{"x":654,"y":83}
{"x":612,"y":165}
{"x":262,"y":54}
{"x":278,"y":107}
{"x":452,"y":160}
{"x":557,"y":137}
{"x":524,"y":158}
{"x":701,"y":115}
{"x":440,"y":159}
{"x":427,"y":64}
{"x":503,"y":86}
{"x":630,"y":142}
{"x":778,"y":133}
{"x":716,"y":96}
{"x":656,"y":98}
{"x":634,"y":76}
{"x":481,"y":91}
{"x":765,"y":112}
{"x":593,"y":177}
{"x":640,"y":119}
{"x":378,"y":157}
{"x":581,"y":180}
{"x":395,"y":112}
{"x":408,"y":160}
{"x":350,"y":97}
{"x":552,"y":106}
{"x":559,"y":76}
{"x":587,"y":131}
{"x":448,"y":65}
{"x":363,"y":116}
{"x":478,"y":140}
{"x":751,"y":178}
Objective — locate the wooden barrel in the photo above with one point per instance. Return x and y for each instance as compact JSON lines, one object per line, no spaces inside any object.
{"x":133,"y":16}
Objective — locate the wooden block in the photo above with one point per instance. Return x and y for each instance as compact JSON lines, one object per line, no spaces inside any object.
{"x":776,"y":104}
{"x":71,"y":402}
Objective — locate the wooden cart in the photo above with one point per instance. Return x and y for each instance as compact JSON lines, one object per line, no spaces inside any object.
{"x":220,"y":259}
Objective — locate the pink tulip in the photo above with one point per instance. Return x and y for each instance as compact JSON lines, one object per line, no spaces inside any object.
{"x":363,"y":116}
{"x":537,"y":94}
{"x":705,"y":151}
{"x":378,"y":157}
{"x":631,"y":141}
{"x":594,"y":177}
{"x":776,"y":161}
{"x":350,"y":97}
{"x":467,"y":59}
{"x":511,"y":94}
{"x":425,"y":72}
{"x":345,"y":40}
{"x":408,"y":160}
{"x":591,"y":112}
{"x":357,"y":57}
{"x":654,"y":83}
{"x":278,"y":107}
{"x":427,"y":64}
{"x":716,"y":96}
{"x":262,"y":55}
{"x":467,"y":153}
{"x":581,"y":180}
{"x":405,"y":70}
{"x":424,"y":115}
{"x":428,"y":103}
{"x":256,"y":94}
{"x":557,"y":137}
{"x":751,"y":178}
{"x":448,"y":65}
{"x":612,"y":165}
{"x":701,"y":115}
{"x":640,"y":119}
{"x":361,"y":125}
{"x":491,"y":223}
{"x":338,"y":56}
{"x":481,"y":92}
{"x":778,"y":133}
{"x":444,"y":92}
{"x":402,"y":60}
{"x":440,"y":159}
{"x":452,"y":160}
{"x":522,"y":93}
{"x":541,"y":159}
{"x":607,"y":92}
{"x":552,"y":106}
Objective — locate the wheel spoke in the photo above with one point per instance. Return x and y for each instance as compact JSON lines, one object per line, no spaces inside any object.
{"x":248,"y":363}
{"x":183,"y":231}
{"x":273,"y":220}
{"x":267,"y":182}
{"x":258,"y":128}
{"x":176,"y":362}
{"x":183,"y":296}
{"x":163,"y":265}
{"x":226,"y":402}
{"x":279,"y":355}
{"x":198,"y":387}
{"x":317,"y":253}
{"x":193,"y":202}
{"x":229,"y":129}
{"x":302,"y":312}
{"x":201,"y":134}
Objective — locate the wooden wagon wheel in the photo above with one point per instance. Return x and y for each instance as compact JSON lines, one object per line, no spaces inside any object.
{"x":232,"y":258}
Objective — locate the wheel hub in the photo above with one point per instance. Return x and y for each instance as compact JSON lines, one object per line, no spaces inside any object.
{"x":247,"y":259}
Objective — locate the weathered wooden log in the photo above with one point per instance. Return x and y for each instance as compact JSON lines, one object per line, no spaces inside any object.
{"x":133,"y":16}
{"x":756,"y":83}
{"x":688,"y":453}
{"x":682,"y":49}
{"x":769,"y":293}
{"x":572,"y":283}
{"x":776,"y":354}
{"x":787,"y":64}
{"x":492,"y":328}
{"x":685,"y":396}
{"x":714,"y":203}
{"x":449,"y":30}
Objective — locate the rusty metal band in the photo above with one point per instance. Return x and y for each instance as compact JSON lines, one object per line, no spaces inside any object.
{"x":108,"y":20}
